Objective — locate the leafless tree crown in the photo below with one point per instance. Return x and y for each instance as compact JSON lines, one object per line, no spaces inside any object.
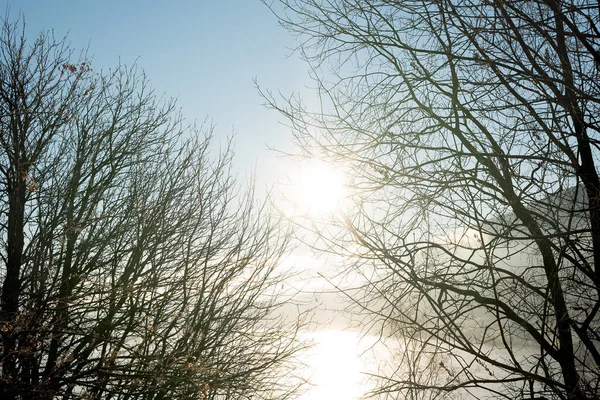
{"x":471,"y":128}
{"x":132,"y":264}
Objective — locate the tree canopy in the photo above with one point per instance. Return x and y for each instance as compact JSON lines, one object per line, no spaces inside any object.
{"x":133,"y":265}
{"x":471,"y":130}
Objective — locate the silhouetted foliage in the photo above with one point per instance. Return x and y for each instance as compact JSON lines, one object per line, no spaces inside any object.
{"x":132,"y":264}
{"x":471,"y":131}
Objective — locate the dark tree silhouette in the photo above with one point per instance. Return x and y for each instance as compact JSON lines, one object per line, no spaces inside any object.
{"x":471,"y":130}
{"x":133,"y":266}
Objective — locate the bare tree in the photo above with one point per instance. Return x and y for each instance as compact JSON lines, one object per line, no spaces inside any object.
{"x":471,"y":130}
{"x":133,"y":266}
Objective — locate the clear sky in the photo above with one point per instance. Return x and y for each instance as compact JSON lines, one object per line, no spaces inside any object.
{"x":205,"y":53}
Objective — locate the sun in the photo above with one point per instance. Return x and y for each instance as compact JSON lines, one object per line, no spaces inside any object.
{"x":318,"y":188}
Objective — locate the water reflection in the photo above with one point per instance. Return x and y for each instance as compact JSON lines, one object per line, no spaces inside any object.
{"x":335,"y":366}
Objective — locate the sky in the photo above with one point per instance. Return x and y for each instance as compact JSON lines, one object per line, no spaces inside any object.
{"x":206,"y":54}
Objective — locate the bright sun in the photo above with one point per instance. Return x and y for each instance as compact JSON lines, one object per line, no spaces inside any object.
{"x":318,"y":189}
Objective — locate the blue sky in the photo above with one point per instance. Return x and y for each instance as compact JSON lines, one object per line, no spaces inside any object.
{"x":205,"y":53}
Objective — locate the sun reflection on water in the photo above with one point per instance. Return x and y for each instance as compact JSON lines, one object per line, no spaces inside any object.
{"x":334,"y":367}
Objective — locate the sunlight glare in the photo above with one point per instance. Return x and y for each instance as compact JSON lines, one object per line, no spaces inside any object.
{"x":319,"y":188}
